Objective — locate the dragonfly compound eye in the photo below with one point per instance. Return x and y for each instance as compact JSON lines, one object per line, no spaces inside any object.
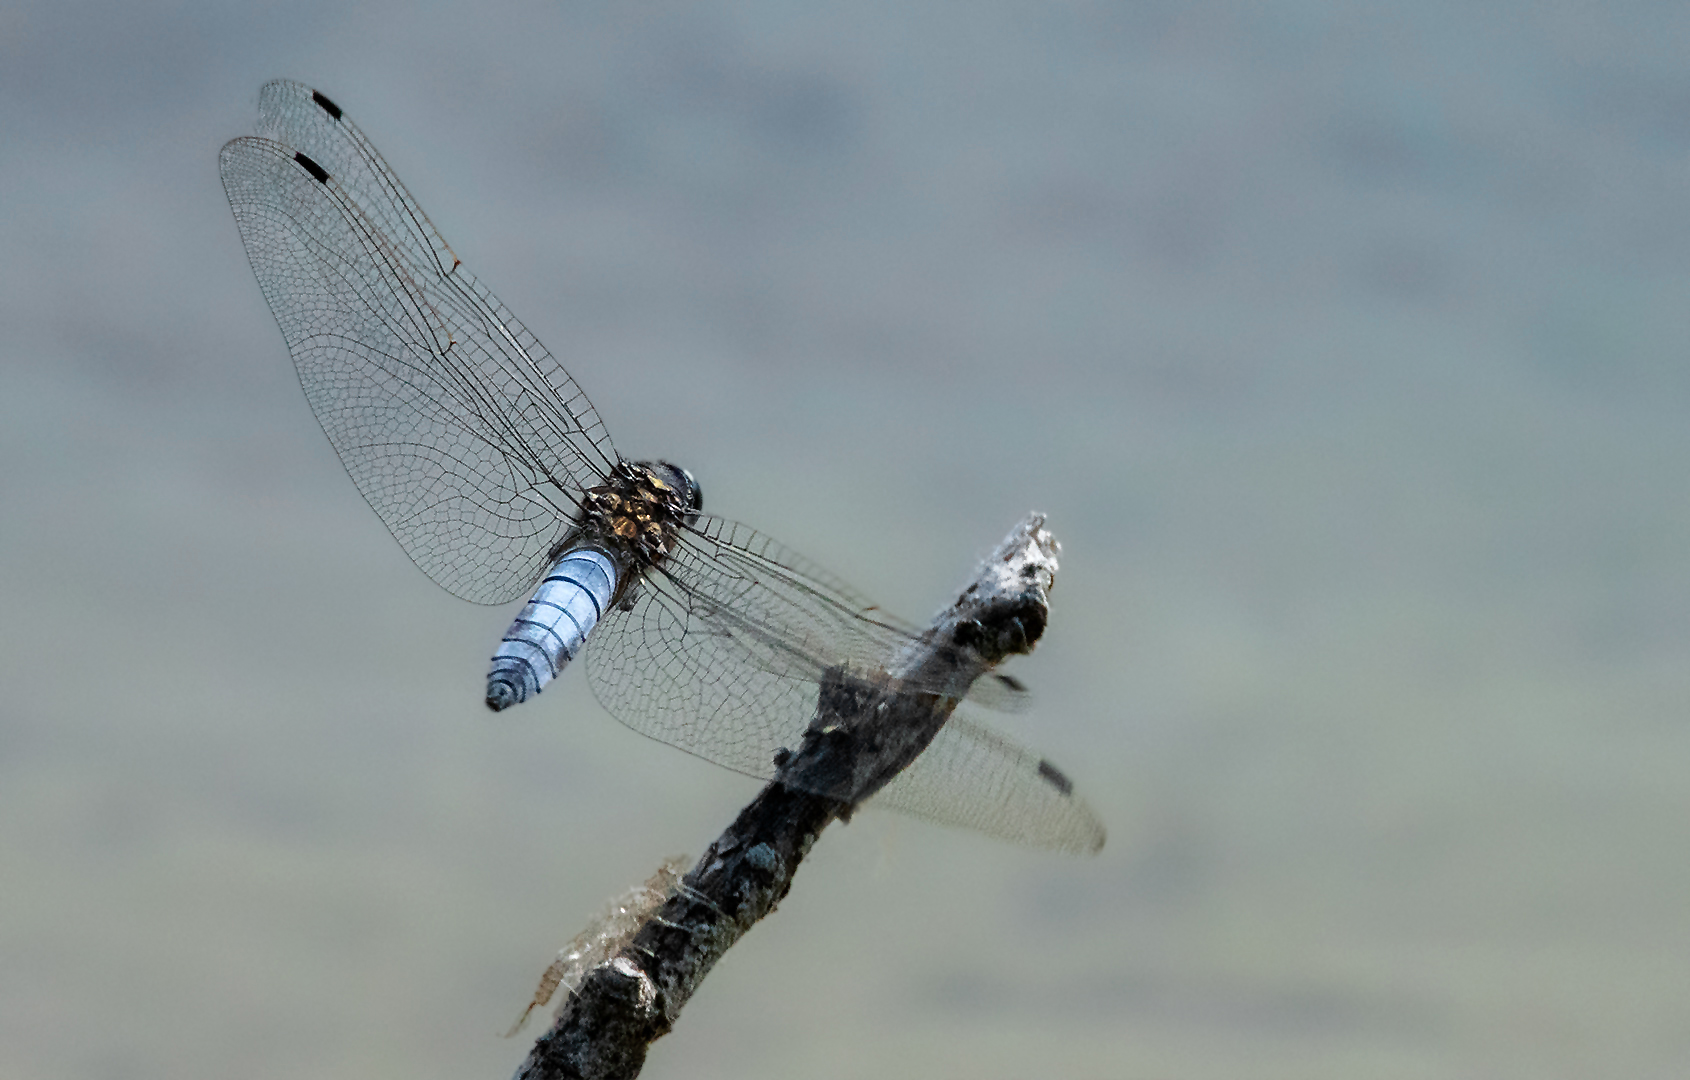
{"x":681,"y":481}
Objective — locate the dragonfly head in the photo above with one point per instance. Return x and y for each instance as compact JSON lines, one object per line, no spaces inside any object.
{"x":681,"y":481}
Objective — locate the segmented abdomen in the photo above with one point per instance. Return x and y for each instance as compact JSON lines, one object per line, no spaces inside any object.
{"x":552,"y":627}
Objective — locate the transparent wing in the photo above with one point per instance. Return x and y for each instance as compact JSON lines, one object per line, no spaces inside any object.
{"x":464,"y":435}
{"x":972,"y":776}
{"x":721,"y":650}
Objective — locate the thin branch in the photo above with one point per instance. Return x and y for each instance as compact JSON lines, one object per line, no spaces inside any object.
{"x":865,"y":731}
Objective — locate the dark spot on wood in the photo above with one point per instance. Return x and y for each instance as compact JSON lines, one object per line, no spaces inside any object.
{"x":1014,"y":638}
{"x":325,"y":104}
{"x":318,"y":173}
{"x":968,"y":633}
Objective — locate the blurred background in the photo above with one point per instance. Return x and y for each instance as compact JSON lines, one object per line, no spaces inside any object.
{"x":1343,"y":343}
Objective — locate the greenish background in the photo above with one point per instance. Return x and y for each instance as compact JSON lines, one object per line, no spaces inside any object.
{"x":1344,"y":344}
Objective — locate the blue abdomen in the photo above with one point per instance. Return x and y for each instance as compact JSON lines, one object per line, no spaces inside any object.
{"x":552,"y":628}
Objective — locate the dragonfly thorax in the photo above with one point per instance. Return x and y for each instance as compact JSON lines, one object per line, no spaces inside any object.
{"x":641,"y":509}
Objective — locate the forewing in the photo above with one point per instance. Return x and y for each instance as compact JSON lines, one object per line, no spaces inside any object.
{"x":464,"y":435}
{"x":723,"y":646}
{"x":972,"y":776}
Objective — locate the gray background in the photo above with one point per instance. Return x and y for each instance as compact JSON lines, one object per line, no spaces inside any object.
{"x":1343,"y":343}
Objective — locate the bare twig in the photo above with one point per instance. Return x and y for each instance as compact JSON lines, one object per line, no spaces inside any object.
{"x":865,"y":731}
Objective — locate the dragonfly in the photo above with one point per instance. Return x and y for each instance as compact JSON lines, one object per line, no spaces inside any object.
{"x":493,"y":471}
